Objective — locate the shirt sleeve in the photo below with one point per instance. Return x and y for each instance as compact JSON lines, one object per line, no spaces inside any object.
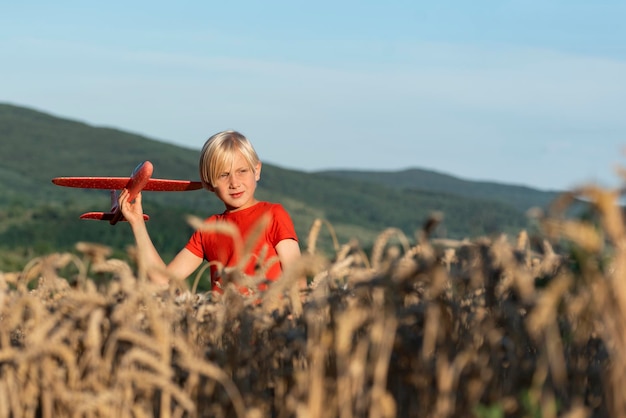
{"x":195,"y":244}
{"x":282,"y":226}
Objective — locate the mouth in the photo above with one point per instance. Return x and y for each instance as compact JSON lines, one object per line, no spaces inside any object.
{"x":236,"y":195}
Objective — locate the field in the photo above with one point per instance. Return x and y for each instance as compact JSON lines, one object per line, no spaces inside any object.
{"x":525,"y":326}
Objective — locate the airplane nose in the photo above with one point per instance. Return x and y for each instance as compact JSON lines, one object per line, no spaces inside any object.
{"x":146,"y":168}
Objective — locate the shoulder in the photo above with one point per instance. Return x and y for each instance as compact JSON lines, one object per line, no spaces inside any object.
{"x":264,"y":206}
{"x":210,"y":220}
{"x":214,"y":218}
{"x":274,"y":208}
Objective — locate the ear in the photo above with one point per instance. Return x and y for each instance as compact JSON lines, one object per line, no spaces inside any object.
{"x":257,"y":171}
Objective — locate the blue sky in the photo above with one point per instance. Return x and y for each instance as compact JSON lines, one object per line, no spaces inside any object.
{"x":520,"y":92}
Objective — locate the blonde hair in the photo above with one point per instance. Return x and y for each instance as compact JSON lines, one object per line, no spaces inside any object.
{"x":219,"y":152}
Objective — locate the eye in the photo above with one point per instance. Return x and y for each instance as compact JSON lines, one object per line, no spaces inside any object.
{"x":223,"y":175}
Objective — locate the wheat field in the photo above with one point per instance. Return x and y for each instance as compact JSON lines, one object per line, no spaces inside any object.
{"x":525,"y":326}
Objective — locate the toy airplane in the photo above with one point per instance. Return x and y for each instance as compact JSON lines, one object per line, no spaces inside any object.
{"x":139,"y":180}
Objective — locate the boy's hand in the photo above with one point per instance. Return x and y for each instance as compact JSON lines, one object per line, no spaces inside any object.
{"x":132,"y":210}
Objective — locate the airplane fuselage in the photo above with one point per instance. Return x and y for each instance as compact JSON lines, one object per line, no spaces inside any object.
{"x":138,"y":180}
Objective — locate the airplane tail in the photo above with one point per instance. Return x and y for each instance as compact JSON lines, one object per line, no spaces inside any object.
{"x":106,"y":216}
{"x":114,"y":216}
{"x":115,"y":210}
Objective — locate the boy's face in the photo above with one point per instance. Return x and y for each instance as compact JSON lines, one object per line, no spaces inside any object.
{"x":236,"y":185}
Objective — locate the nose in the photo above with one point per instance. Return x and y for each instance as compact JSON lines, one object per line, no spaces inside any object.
{"x":233,"y":182}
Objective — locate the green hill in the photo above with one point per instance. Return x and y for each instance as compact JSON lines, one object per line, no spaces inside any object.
{"x":520,"y":197}
{"x":37,"y":216}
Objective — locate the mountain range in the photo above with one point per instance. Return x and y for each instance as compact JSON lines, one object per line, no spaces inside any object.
{"x":37,"y":216}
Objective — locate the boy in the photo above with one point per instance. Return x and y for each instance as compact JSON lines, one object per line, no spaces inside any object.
{"x":230,"y":168}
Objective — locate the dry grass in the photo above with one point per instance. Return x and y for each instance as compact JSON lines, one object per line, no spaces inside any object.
{"x":486,"y":327}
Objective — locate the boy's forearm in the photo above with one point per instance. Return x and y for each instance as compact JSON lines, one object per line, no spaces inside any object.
{"x":148,"y":257}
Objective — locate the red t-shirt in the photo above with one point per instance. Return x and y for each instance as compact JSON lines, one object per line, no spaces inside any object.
{"x":220,"y":245}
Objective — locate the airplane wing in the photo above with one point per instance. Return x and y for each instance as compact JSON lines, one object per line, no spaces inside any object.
{"x":163,"y":185}
{"x":118,"y":183}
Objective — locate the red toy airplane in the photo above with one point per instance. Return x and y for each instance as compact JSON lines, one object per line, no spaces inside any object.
{"x":139,"y":180}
